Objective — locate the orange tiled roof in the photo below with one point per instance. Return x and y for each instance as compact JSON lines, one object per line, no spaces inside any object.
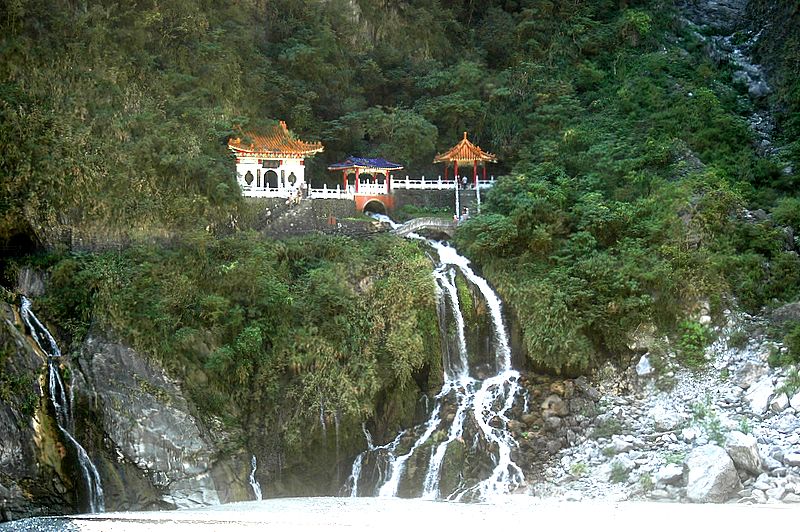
{"x":277,"y":141}
{"x":465,"y":151}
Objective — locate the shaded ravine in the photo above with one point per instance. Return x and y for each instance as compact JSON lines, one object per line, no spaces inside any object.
{"x":62,"y":405}
{"x":464,"y":446}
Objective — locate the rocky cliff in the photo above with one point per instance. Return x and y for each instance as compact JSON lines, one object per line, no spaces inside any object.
{"x":155,"y":452}
{"x":29,"y":482}
{"x":134,"y":421}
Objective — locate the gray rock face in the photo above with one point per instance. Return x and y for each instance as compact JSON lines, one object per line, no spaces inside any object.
{"x":743,"y":450}
{"x":712,"y":475}
{"x":148,"y":419}
{"x":30,"y":283}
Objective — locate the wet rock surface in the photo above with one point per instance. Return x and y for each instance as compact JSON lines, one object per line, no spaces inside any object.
{"x":29,"y":485}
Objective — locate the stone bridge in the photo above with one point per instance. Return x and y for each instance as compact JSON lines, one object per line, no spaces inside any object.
{"x":439,"y":225}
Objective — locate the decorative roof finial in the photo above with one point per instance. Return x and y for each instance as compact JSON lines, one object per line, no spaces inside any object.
{"x":465,"y":135}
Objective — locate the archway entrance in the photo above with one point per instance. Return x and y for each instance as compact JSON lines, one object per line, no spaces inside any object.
{"x":374,"y":206}
{"x":271,"y":179}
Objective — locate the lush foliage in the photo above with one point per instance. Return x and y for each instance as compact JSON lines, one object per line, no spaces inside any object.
{"x":629,"y":159}
{"x":269,"y":333}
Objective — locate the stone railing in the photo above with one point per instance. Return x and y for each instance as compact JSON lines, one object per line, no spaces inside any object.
{"x":442,"y":225}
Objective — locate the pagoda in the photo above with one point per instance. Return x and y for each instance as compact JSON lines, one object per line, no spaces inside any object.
{"x":271,"y":163}
{"x":465,"y":153}
{"x":357,"y":165}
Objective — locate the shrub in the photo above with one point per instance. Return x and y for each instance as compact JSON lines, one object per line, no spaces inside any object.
{"x":646,"y":482}
{"x":792,"y":343}
{"x":605,"y":428}
{"x":618,"y":473}
{"x":693,"y":339}
{"x":578,"y":469}
{"x":738,"y":339}
{"x":787,"y":212}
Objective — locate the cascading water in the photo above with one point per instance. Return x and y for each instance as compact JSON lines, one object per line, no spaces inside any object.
{"x":253,"y":482}
{"x":476,"y":408}
{"x":62,"y":406}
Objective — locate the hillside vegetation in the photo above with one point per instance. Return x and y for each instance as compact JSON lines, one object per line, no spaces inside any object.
{"x":628,"y":159}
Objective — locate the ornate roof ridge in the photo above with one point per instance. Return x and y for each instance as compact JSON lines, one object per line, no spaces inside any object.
{"x":278,"y":140}
{"x":465,"y":151}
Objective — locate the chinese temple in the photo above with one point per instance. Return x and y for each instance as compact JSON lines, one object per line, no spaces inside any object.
{"x":271,"y":164}
{"x":468,"y":154}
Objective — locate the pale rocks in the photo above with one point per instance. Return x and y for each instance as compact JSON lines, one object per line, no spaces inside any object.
{"x":664,"y":419}
{"x":712,"y":474}
{"x":743,"y":450}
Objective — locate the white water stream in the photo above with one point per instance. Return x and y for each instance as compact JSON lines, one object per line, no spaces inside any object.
{"x":253,"y":482}
{"x":481,"y":404}
{"x":63,"y":407}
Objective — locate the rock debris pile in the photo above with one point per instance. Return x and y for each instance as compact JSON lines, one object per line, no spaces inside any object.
{"x":729,"y":431}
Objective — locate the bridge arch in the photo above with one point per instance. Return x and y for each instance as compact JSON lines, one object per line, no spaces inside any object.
{"x":374,"y":205}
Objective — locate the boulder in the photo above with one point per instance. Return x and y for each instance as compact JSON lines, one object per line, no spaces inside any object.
{"x":792,"y":459}
{"x":779,"y":403}
{"x":665,"y":419}
{"x":788,"y":423}
{"x":749,"y":373}
{"x":553,"y":405}
{"x":670,"y":474}
{"x":587,"y":389}
{"x":712,"y":475}
{"x":794,"y":402}
{"x":758,"y":395}
{"x":743,"y":450}
{"x":621,"y":444}
{"x":644,"y":367}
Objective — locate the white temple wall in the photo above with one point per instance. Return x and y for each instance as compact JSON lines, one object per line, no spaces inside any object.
{"x":284,"y":171}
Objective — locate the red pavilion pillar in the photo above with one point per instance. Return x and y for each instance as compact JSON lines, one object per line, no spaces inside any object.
{"x":357,"y":180}
{"x":455,"y":172}
{"x":344,"y":179}
{"x":388,"y":183}
{"x":475,"y":172}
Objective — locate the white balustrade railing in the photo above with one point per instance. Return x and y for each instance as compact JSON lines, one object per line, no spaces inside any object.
{"x":365,"y":187}
{"x":437,"y":183}
{"x":331,"y":193}
{"x":258,"y":192}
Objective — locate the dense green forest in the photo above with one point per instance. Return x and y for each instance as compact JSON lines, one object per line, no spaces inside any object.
{"x":630,"y":173}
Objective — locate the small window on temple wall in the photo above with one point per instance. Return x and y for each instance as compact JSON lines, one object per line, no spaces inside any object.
{"x":248,"y":177}
{"x":292,"y":178}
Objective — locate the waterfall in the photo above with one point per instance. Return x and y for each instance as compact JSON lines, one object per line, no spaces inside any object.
{"x":253,"y":482}
{"x":468,"y":411}
{"x":62,"y":405}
